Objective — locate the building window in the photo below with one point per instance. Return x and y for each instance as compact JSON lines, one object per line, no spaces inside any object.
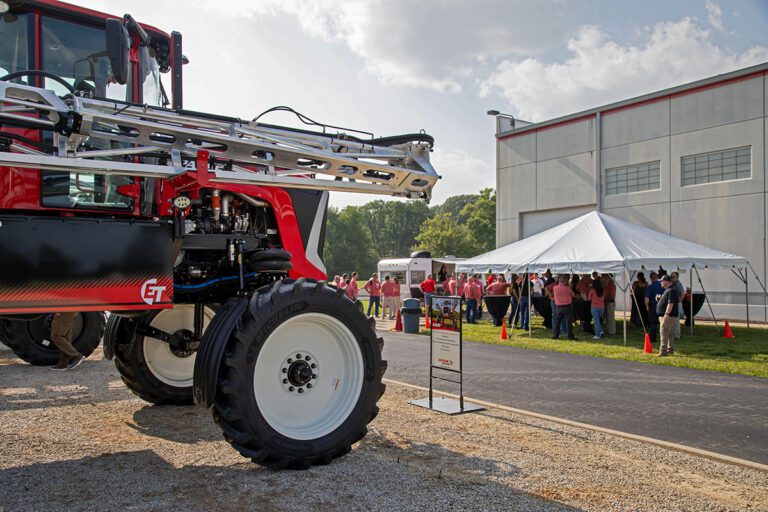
{"x":731,"y":164}
{"x":633,"y":178}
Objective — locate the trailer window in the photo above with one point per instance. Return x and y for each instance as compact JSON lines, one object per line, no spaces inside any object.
{"x":78,"y":54}
{"x":399,"y":275}
{"x":14,"y":44}
{"x":418,"y":276}
{"x":85,"y":191}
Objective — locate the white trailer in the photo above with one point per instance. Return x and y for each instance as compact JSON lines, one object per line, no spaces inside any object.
{"x":412,"y":271}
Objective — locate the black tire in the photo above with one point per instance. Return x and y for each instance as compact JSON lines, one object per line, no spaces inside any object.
{"x":30,"y":339}
{"x":140,"y":374}
{"x":236,"y":410}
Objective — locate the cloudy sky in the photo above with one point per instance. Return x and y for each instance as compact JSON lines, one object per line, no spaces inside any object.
{"x":396,"y":66}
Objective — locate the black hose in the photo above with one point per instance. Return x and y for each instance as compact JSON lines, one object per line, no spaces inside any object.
{"x":25,"y":140}
{"x":36,"y":72}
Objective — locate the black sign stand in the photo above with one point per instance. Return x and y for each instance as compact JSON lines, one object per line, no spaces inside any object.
{"x":440,"y":403}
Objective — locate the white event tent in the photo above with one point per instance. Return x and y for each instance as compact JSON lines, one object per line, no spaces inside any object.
{"x":599,"y":242}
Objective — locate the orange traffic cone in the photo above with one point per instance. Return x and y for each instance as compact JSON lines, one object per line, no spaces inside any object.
{"x":503,"y":330}
{"x":648,"y":347}
{"x":398,"y":323}
{"x":727,"y":333}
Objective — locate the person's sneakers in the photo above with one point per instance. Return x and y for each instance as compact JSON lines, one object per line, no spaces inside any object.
{"x":661,"y":354}
{"x":670,"y":352}
{"x":74,"y":363}
{"x":595,"y":337}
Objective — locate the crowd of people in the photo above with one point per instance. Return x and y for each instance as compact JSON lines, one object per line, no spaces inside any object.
{"x":383,"y":295}
{"x":587,"y":300}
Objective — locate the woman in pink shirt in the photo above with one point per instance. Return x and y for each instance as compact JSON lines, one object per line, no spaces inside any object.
{"x":396,"y":291}
{"x":597,"y":304}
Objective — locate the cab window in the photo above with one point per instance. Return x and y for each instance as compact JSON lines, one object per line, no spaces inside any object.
{"x":78,"y":54}
{"x":14,"y":44}
{"x":85,"y":191}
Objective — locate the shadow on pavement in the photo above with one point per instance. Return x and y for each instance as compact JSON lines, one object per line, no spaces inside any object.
{"x":373,"y":477}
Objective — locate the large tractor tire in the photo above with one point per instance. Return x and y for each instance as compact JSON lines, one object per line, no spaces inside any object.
{"x":151,"y":368}
{"x":300,"y":377}
{"x":31,"y":341}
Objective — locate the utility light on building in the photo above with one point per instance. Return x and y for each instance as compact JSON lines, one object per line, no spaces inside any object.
{"x":510,"y":120}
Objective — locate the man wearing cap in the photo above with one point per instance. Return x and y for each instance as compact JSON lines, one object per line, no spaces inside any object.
{"x":680,"y":289}
{"x":668,"y":316}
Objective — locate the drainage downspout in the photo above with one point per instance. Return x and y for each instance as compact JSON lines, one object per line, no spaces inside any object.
{"x":598,"y":161}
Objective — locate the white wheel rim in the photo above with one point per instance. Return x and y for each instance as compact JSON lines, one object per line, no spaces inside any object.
{"x":164,"y":365}
{"x":331,"y":395}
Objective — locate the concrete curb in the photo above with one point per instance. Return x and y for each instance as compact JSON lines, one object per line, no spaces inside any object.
{"x":657,"y":442}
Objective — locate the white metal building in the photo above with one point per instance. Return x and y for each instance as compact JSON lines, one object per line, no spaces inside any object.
{"x":688,"y":161}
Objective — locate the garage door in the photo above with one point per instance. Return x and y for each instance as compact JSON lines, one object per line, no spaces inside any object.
{"x":536,"y":222}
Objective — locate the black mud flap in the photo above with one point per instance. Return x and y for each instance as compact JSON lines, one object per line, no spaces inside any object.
{"x":92,"y":264}
{"x":211,"y":351}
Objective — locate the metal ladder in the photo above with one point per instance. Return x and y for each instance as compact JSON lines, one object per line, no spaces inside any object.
{"x":228,"y":150}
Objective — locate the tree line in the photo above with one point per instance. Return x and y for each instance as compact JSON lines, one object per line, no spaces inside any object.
{"x":357,"y":237}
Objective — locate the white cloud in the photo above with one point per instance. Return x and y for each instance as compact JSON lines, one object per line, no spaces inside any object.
{"x":714,"y":15}
{"x":462,"y":173}
{"x":427,"y":44}
{"x":601,"y":71}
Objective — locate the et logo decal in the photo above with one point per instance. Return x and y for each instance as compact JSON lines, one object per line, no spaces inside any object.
{"x":150,"y":292}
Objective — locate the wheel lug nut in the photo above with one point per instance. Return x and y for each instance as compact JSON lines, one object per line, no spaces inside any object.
{"x":313,"y":365}
{"x":298,"y":356}
{"x":285,"y":370}
{"x":308,"y":358}
{"x":301,"y":390}
{"x":290,"y":360}
{"x":314,"y":375}
{"x":285,"y":381}
{"x":309,"y":385}
{"x":290,"y":388}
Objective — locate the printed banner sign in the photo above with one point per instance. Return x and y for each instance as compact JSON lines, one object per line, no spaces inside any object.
{"x":445,"y":319}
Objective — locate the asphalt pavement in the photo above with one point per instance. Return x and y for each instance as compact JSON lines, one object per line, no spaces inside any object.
{"x":718,"y":412}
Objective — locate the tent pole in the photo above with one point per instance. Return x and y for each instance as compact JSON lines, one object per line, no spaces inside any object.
{"x":746,"y":293}
{"x":690,"y":305}
{"x":626,"y":275}
{"x":530,"y":303}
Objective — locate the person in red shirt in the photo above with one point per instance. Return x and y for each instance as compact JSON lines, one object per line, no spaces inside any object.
{"x":563,"y":297}
{"x":388,"y":294}
{"x":373,"y":287}
{"x":585,"y":284}
{"x":428,"y":288}
{"x":499,"y":287}
{"x":450,"y":286}
{"x":609,"y":285}
{"x":491,"y":278}
{"x":472,"y":294}
{"x":461,"y":282}
{"x":597,"y":306}
{"x":352,"y":284}
{"x":350,"y":289}
{"x":396,"y":291}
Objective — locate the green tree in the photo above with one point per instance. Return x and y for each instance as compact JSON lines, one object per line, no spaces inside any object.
{"x":443,"y":235}
{"x":454,"y":205}
{"x":394,"y":225}
{"x":479,"y":216}
{"x":348,"y":243}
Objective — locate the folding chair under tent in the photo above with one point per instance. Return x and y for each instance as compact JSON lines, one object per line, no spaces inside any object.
{"x":606,"y":244}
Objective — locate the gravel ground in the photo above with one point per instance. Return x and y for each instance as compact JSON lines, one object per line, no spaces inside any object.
{"x":81,"y":441}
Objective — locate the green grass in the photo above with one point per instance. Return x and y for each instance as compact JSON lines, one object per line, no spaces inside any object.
{"x":747,"y":354}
